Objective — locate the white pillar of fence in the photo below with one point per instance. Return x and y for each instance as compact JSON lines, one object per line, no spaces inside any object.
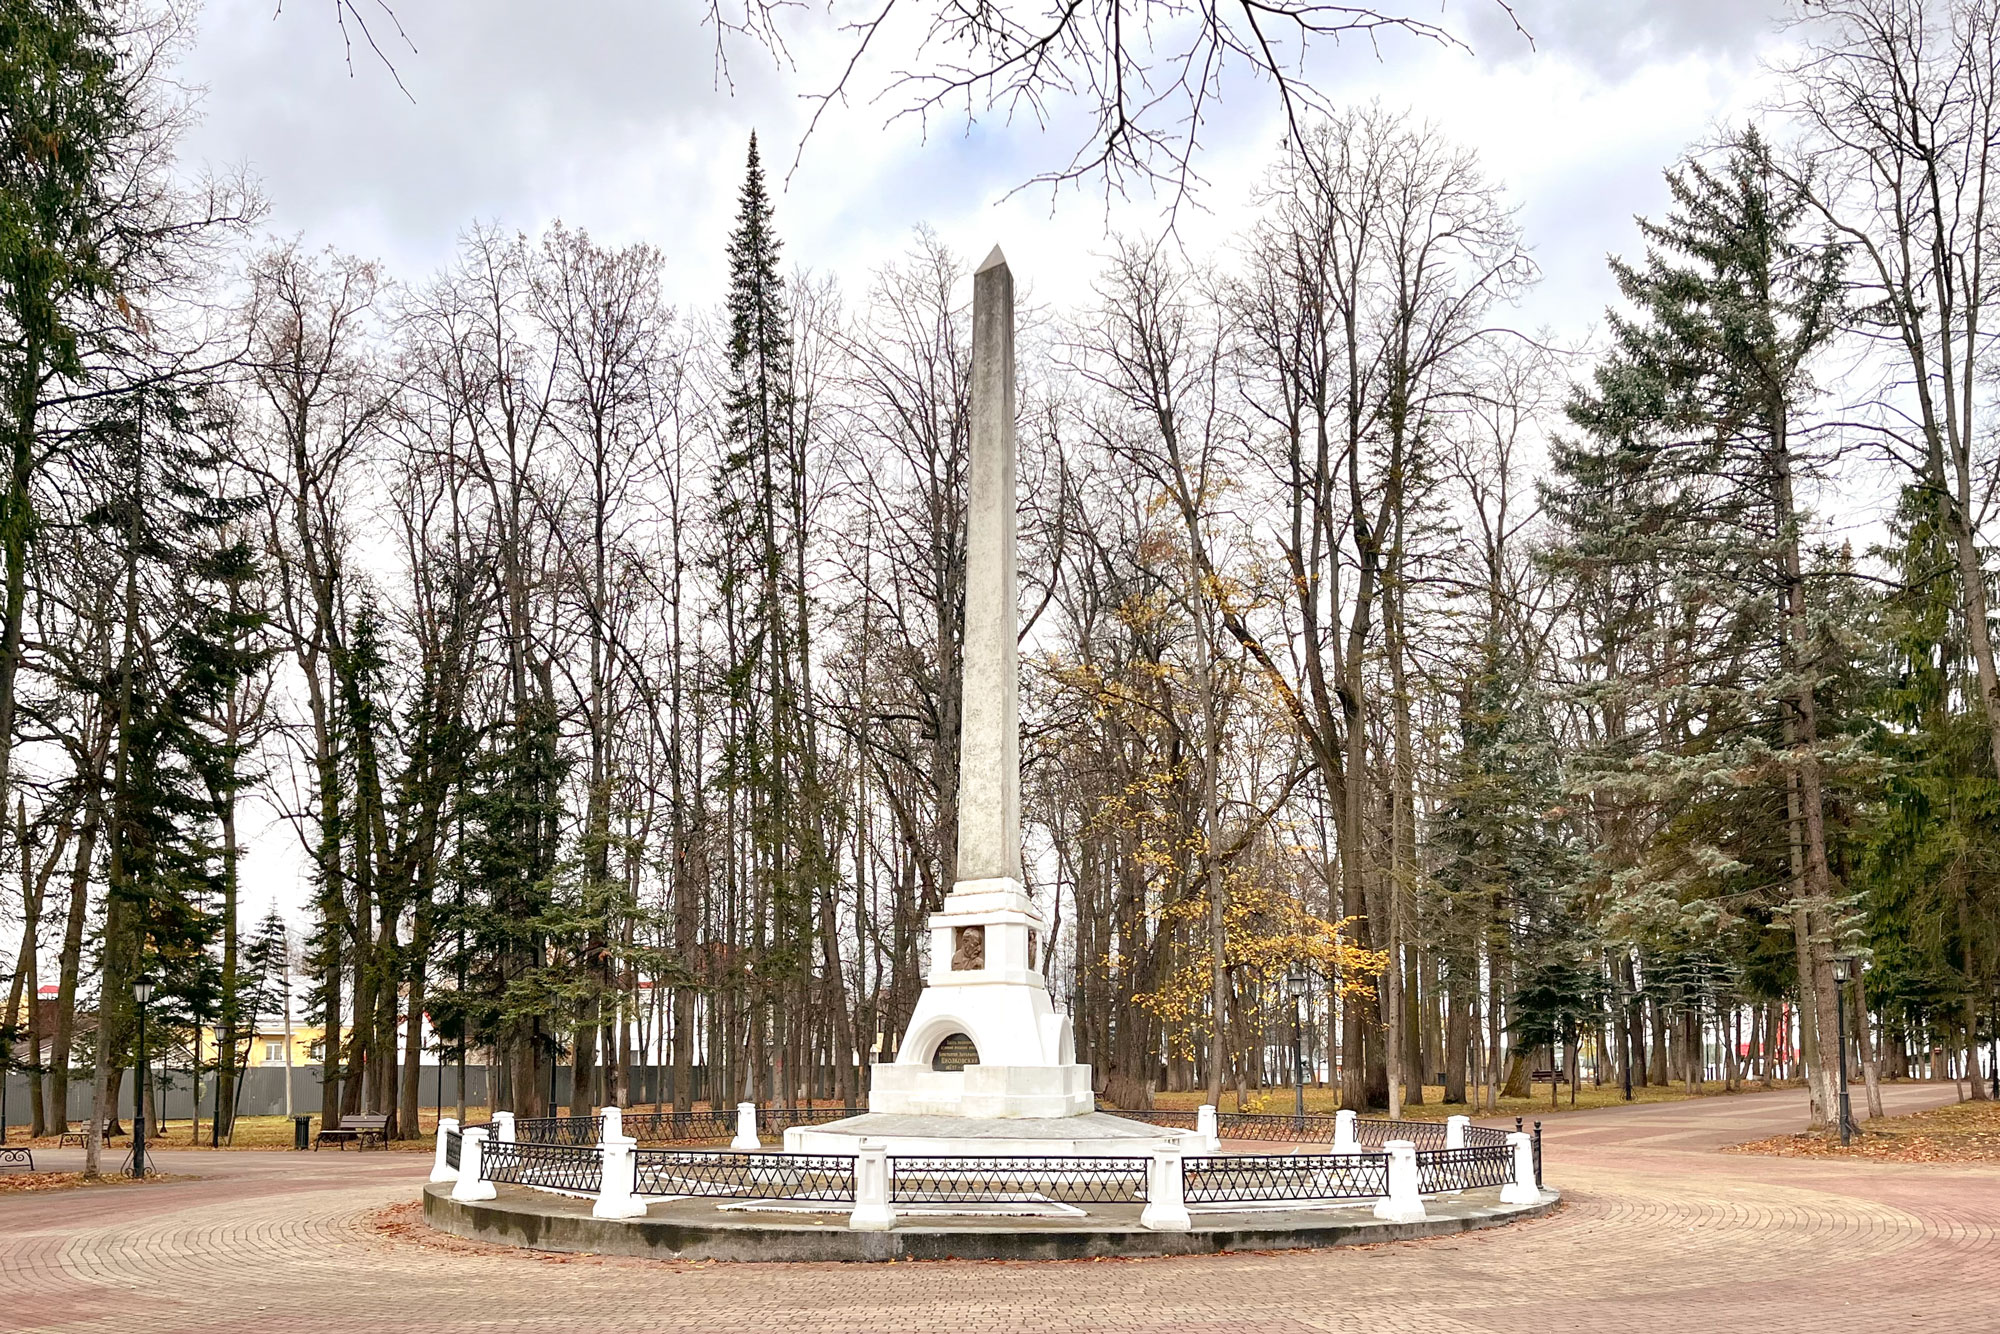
{"x":1343,"y":1133}
{"x":441,"y":1168}
{"x":1454,"y":1131}
{"x":1402,"y":1204}
{"x":746,"y":1127}
{"x":1522,"y":1189}
{"x":610,"y":1124}
{"x":614,"y":1188}
{"x":1166,"y":1206}
{"x":1205,"y":1129}
{"x":874,"y":1211}
{"x":471,"y":1155}
{"x":503,"y":1127}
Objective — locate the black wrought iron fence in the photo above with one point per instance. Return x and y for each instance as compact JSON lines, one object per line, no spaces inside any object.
{"x":1373,"y":1132}
{"x":1243,"y":1177}
{"x":1172,"y":1118}
{"x":673,"y":1127}
{"x":1264,"y":1126}
{"x":1369,"y":1132}
{"x":572,"y":1130}
{"x":1007,"y":1180}
{"x":743,"y":1176}
{"x":780,"y":1119}
{"x":552,"y":1166}
{"x":1442,"y":1170}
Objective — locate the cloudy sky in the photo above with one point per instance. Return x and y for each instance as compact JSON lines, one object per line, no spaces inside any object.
{"x":609,"y":115}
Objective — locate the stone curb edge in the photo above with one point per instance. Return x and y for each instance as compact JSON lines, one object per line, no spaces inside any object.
{"x":514,"y":1221}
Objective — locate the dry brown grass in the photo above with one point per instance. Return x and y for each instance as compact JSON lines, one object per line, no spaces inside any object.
{"x":252,"y":1132}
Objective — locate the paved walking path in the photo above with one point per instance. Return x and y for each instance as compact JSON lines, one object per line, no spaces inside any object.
{"x":1659,"y":1232}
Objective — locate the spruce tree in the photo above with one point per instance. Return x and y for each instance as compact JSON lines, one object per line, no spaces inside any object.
{"x":768,"y":764}
{"x":1682,"y":494}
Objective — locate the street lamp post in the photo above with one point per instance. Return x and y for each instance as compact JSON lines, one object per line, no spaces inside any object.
{"x":6,"y":1051}
{"x":1629,"y":1047}
{"x":1845,"y":969}
{"x":1295,"y":987}
{"x":142,"y":991}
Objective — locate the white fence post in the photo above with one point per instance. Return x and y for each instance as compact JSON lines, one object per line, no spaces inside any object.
{"x":874,"y":1211}
{"x":1402,"y":1204}
{"x":503,"y":1127}
{"x":610,"y":1124}
{"x":1522,"y":1189}
{"x":471,"y":1159}
{"x":746,"y":1127}
{"x":441,"y":1168}
{"x":1166,"y":1206}
{"x":1343,"y":1133}
{"x":1454,"y":1131}
{"x":614,"y":1188}
{"x":1205,"y":1128}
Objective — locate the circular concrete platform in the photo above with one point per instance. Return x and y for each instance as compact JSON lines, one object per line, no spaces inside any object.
{"x":702,"y":1230}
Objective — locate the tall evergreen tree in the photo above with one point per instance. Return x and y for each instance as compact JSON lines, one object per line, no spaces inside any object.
{"x":1696,"y":441}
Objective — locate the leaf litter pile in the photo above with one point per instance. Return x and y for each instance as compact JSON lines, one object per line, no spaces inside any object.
{"x":1966,"y":1132}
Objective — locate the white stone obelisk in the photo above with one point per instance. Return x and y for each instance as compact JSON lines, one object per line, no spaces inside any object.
{"x":984,"y":1040}
{"x":989,"y":733}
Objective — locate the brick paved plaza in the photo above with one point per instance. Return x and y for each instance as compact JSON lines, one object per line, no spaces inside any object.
{"x":1659,"y":1232}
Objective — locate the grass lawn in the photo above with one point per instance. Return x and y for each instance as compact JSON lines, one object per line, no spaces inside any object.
{"x":1966,"y":1132}
{"x":1326,"y":1101}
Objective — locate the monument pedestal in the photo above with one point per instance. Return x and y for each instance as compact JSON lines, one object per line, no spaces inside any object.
{"x":984,"y":1041}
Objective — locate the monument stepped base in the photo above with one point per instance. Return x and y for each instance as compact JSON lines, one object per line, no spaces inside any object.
{"x":699,"y":1230}
{"x":1094,"y":1134}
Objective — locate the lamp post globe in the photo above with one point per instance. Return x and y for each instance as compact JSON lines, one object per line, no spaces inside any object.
{"x":142,"y":991}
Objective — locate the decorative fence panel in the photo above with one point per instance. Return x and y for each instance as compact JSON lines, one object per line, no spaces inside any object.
{"x":744,"y":1176}
{"x":999,"y":1180}
{"x":1374,"y":1132}
{"x":1276,"y":1176}
{"x":578,"y":1131}
{"x":1441,"y":1170}
{"x":780,"y":1119}
{"x":675,"y":1127}
{"x":551,"y":1166}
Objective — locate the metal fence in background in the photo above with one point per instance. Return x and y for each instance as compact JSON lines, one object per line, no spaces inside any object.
{"x":573,"y":1130}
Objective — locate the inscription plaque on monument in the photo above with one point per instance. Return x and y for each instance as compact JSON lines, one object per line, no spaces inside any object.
{"x":955,"y":1053}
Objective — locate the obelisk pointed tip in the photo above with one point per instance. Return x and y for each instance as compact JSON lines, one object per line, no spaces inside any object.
{"x":996,"y":260}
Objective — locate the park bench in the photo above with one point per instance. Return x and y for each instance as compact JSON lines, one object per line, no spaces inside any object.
{"x":77,"y":1137}
{"x":357,"y":1130}
{"x":12,"y":1158}
{"x":1547,"y":1077}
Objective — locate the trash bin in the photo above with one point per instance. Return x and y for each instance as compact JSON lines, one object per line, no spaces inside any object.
{"x":302,"y":1131}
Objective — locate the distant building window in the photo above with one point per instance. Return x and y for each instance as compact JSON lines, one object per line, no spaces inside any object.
{"x":274,"y":1051}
